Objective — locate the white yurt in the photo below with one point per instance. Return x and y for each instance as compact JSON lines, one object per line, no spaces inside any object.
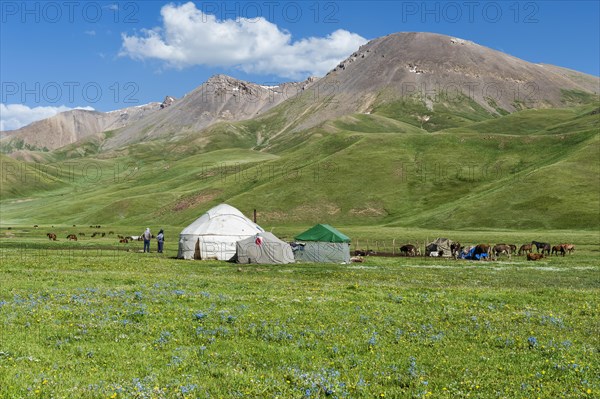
{"x":214,"y":234}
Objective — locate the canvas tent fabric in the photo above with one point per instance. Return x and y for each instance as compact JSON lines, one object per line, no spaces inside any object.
{"x":439,"y":245}
{"x":323,"y":232}
{"x":322,"y":243}
{"x":214,"y":234}
{"x":264,"y":248}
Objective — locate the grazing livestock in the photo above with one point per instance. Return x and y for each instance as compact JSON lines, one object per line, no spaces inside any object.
{"x":481,"y":249}
{"x":35,"y":226}
{"x":501,"y":249}
{"x":356,"y":259}
{"x":558,"y":248}
{"x":513,"y":249}
{"x":525,"y":248}
{"x":362,"y":252}
{"x":409,"y":250}
{"x":111,"y":232}
{"x":568,"y":248}
{"x":545,"y":247}
{"x":532,"y":256}
{"x":51,"y":236}
{"x":72,"y":237}
{"x":124,"y":240}
{"x":455,"y":249}
{"x":103,"y":234}
{"x":82,"y":234}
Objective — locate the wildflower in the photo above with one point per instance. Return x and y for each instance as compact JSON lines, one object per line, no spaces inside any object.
{"x":532,"y":341}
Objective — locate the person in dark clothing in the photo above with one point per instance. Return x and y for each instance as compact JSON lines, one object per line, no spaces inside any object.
{"x":160,"y":238}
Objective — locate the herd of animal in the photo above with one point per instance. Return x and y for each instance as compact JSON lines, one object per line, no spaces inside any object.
{"x":73,"y":237}
{"x":481,"y":251}
{"x":490,"y":251}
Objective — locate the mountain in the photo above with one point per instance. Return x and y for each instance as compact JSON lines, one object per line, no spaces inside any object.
{"x":71,"y":126}
{"x":407,"y":76}
{"x":441,"y":73}
{"x":358,"y":147}
{"x":221,"y":98}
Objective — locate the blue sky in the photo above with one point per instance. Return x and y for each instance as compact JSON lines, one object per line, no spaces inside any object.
{"x":108,"y":55}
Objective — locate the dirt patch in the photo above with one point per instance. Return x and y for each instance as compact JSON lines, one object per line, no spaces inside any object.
{"x":368,"y":211}
{"x":195,"y":200}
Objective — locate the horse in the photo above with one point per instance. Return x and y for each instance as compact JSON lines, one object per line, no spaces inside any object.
{"x":409,"y":250}
{"x":455,"y":249}
{"x":534,"y":256}
{"x":483,"y":249}
{"x":543,"y":245}
{"x":558,"y":248}
{"x":525,"y":248}
{"x":501,"y":249}
{"x":72,"y":237}
{"x":568,"y":248}
{"x":51,"y":236}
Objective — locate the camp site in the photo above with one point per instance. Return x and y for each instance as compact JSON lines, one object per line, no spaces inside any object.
{"x":313,"y":310}
{"x":299,"y":199}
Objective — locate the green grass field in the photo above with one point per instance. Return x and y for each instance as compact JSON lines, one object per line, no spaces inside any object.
{"x":99,"y":319}
{"x":93,"y":320}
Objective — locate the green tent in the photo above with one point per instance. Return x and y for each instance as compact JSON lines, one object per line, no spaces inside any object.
{"x":323,"y":243}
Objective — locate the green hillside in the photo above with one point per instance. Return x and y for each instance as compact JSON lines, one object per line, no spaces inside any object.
{"x":467,"y":170}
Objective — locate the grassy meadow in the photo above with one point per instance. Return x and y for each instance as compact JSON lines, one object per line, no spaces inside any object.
{"x":99,"y":319}
{"x":96,"y":319}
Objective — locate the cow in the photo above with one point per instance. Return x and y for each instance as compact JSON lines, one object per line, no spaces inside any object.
{"x":501,"y":249}
{"x":409,"y":250}
{"x":532,"y":256}
{"x":558,"y":248}
{"x":51,"y":236}
{"x":525,"y":248}
{"x":72,"y":237}
{"x":543,"y":245}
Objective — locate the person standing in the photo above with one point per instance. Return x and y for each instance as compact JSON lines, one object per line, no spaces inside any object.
{"x":147,"y":236}
{"x":160,"y":238}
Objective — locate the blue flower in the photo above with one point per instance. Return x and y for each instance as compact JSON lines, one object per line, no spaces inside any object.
{"x":532,"y":341}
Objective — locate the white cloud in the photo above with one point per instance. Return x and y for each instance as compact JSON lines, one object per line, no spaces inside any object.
{"x":15,"y":116}
{"x":190,"y":37}
{"x":90,"y":32}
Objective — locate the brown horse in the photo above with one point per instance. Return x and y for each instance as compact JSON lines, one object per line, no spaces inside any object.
{"x":558,"y":248}
{"x":536,"y":256}
{"x":525,"y":248}
{"x":501,"y":249}
{"x":569,"y":248}
{"x":72,"y":237}
{"x":51,"y":236}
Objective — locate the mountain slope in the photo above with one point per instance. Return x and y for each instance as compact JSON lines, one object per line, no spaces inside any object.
{"x":442,"y":72}
{"x":358,"y":170}
{"x":70,"y":126}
